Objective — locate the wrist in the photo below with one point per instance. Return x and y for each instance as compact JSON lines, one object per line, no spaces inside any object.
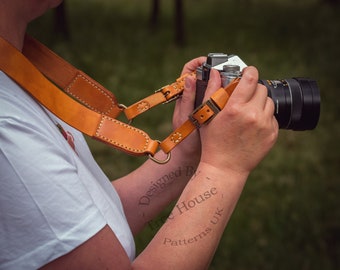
{"x":186,"y":154}
{"x":222,"y":172}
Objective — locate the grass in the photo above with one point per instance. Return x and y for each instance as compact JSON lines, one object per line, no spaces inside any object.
{"x":288,"y":216}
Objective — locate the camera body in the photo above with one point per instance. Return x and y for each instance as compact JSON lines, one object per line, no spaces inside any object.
{"x":296,"y":100}
{"x":229,"y":66}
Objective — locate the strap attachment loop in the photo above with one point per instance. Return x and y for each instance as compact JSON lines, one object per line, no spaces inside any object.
{"x":204,"y":113}
{"x":159,"y":161}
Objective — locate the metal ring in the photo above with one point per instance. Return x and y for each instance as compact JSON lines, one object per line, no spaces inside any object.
{"x":166,"y":160}
{"x":124,"y":107}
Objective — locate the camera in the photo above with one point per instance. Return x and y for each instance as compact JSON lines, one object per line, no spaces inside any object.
{"x":296,"y":100}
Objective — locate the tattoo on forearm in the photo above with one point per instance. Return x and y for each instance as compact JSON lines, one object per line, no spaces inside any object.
{"x":186,"y":241}
{"x":156,"y":224}
{"x":214,"y":220}
{"x":159,"y":185}
{"x":217,"y":216}
{"x":184,"y":206}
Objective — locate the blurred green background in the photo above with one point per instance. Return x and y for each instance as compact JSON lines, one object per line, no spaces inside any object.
{"x":288,"y":216}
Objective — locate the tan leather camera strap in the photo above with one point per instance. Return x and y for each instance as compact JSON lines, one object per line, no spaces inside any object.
{"x":89,"y":92}
{"x":89,"y":107}
{"x":73,"y":81}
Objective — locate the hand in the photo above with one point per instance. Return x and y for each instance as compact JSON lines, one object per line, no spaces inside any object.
{"x":244,"y":131}
{"x":185,"y":104}
{"x":190,"y":147}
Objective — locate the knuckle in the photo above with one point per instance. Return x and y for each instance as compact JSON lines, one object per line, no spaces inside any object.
{"x":271,"y":105}
{"x":273,"y":136}
{"x":251,"y":77}
{"x":261,"y":87}
{"x":252,"y":117}
{"x":234,"y":109}
{"x":247,"y":116}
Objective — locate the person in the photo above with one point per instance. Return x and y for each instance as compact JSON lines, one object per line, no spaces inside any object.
{"x":58,"y":209}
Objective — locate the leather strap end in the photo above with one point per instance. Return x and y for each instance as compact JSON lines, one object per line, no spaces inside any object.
{"x":92,"y":95}
{"x":125,"y":137}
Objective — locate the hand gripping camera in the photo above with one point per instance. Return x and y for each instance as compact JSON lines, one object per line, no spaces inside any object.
{"x":297,"y":100}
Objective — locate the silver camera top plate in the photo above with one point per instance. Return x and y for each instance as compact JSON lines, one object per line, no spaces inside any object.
{"x":232,"y":60}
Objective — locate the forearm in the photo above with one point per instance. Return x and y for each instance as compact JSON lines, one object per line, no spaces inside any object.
{"x":148,"y":190}
{"x":193,"y":229}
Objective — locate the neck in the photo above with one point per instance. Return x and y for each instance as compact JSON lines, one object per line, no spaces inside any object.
{"x":12,"y":29}
{"x":16,"y":39}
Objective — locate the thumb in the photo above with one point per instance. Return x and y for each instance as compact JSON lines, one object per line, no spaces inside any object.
{"x":186,"y":102}
{"x":213,"y":84}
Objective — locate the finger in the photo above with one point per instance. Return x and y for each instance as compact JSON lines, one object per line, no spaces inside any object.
{"x":213,"y":84}
{"x":269,"y":110}
{"x":275,"y":124}
{"x":246,"y":88}
{"x":187,"y":100}
{"x":260,"y":96}
{"x":269,"y":107}
{"x":193,"y":64}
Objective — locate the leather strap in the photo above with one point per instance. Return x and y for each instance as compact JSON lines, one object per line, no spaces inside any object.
{"x":89,"y":107}
{"x":164,"y":95}
{"x":73,"y":81}
{"x":98,"y":126}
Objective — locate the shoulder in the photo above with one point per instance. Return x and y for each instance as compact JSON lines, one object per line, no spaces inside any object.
{"x":26,"y":124}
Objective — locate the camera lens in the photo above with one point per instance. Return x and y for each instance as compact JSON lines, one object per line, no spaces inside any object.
{"x":297,"y":102}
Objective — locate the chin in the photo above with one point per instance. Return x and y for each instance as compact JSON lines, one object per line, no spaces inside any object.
{"x":55,"y":3}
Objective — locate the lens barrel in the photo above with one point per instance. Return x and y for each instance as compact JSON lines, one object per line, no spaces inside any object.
{"x":297,"y":102}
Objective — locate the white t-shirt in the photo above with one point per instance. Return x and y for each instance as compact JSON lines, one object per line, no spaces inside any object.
{"x":52,"y":198}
